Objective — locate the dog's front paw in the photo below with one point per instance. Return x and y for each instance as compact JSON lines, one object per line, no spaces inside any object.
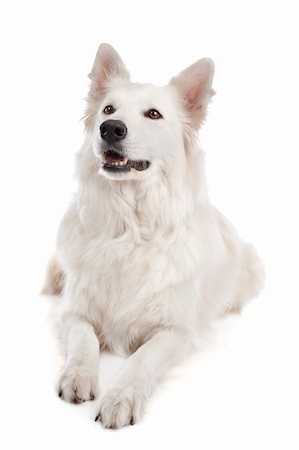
{"x":77,"y":384}
{"x":120,"y":406}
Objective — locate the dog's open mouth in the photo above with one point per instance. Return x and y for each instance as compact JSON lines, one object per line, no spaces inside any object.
{"x":114,"y":162}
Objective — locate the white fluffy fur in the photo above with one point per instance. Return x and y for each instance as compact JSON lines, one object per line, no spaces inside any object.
{"x":144,"y":261}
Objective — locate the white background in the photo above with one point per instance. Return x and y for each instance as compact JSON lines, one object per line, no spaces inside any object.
{"x":242,"y":391}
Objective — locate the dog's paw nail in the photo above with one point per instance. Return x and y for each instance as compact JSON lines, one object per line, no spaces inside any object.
{"x":132,"y":422}
{"x":60,"y":393}
{"x":97,"y":417}
{"x":91,"y":396}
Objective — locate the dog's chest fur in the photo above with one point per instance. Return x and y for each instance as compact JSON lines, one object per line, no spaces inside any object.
{"x":121,"y":267}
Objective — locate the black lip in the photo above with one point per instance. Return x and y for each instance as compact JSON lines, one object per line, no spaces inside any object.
{"x":139,"y":165}
{"x":110,"y":168}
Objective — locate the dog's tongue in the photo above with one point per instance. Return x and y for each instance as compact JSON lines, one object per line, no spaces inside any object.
{"x":112,"y":156}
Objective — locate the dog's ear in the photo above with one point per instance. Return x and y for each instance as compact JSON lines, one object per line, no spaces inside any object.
{"x":107,"y":66}
{"x":195,"y":88}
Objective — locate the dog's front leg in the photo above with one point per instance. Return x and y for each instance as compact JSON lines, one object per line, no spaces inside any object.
{"x":78,"y":381}
{"x":123,"y":403}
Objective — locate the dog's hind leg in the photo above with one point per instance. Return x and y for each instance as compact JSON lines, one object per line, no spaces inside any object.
{"x":54,"y":280}
{"x":251,"y":280}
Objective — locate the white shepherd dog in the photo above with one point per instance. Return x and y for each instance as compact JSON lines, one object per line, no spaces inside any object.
{"x":144,"y":262}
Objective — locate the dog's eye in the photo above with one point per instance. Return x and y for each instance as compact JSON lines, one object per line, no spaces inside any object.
{"x":153,"y":114}
{"x":108,"y":109}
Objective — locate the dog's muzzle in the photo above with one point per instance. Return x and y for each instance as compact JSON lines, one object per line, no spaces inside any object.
{"x":114,"y":159}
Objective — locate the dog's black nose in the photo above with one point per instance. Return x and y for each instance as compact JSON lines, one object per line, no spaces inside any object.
{"x":113,"y":130}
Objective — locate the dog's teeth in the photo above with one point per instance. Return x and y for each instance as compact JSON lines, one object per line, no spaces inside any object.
{"x":125,"y":160}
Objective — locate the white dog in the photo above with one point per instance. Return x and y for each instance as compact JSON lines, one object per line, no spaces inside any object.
{"x":144,"y":261}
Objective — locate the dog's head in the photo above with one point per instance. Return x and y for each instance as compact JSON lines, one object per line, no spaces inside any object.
{"x":140,"y":129}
